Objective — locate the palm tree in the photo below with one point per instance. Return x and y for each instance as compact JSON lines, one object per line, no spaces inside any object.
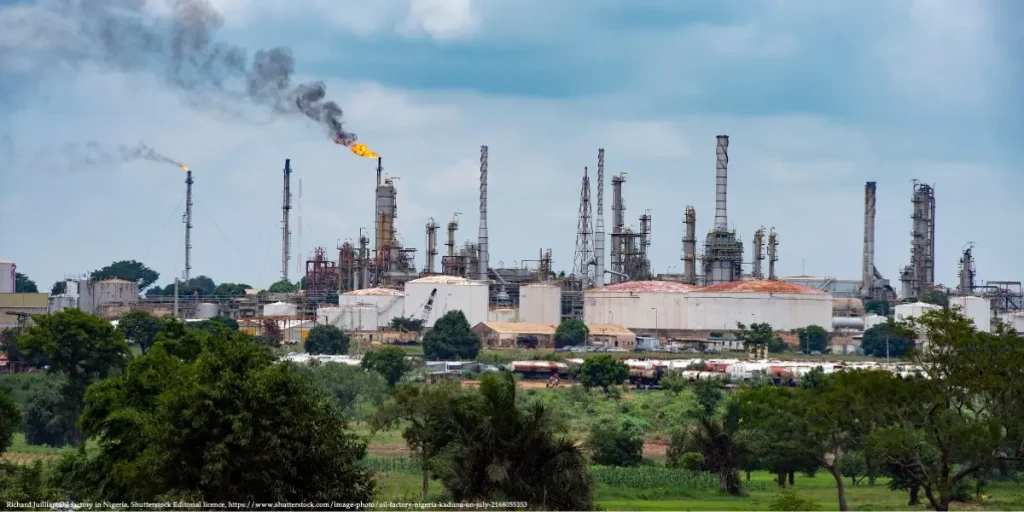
{"x":717,"y":441}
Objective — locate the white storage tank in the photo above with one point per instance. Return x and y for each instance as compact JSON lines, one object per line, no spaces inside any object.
{"x":975,"y":308}
{"x":1014,"y":320}
{"x":7,"y":276}
{"x":207,"y":310}
{"x":913,"y":310}
{"x":388,"y":303}
{"x":873,"y":320}
{"x":453,"y":293}
{"x":638,"y":305}
{"x":280,"y":309}
{"x":540,"y":304}
{"x":782,"y":305}
{"x":61,"y":302}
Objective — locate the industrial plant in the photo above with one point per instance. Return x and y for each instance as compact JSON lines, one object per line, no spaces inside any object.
{"x":375,"y":278}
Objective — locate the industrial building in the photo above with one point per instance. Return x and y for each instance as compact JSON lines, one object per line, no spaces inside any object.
{"x":16,"y":309}
{"x":505,"y":334}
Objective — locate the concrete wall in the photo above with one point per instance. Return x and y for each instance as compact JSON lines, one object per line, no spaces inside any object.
{"x":784,"y":311}
{"x":540,"y":304}
{"x":636,"y":310}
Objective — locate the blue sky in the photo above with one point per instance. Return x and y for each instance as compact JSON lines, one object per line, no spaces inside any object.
{"x":818,"y":97}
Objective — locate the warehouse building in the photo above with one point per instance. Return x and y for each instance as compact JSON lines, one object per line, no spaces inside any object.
{"x":505,"y":334}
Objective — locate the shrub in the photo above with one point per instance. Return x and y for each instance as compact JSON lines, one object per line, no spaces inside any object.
{"x":792,"y":501}
{"x":615,"y":445}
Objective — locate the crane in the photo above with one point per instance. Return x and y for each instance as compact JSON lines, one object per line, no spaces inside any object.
{"x":429,"y":306}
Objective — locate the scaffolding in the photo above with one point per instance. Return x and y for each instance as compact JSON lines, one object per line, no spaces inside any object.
{"x":919,"y":276}
{"x":723,"y":257}
{"x":322,"y":275}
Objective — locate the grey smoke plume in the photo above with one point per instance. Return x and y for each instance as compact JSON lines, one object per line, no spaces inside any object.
{"x":144,"y":152}
{"x":74,"y":156}
{"x":180,"y":48}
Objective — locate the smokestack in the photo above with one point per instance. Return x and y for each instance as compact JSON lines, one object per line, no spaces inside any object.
{"x":482,"y":262}
{"x":380,"y":169}
{"x":431,"y":245}
{"x":690,"y":246}
{"x":721,"y":178}
{"x":599,"y":223}
{"x":867,"y":275}
{"x":188,"y":225}
{"x":773,"y":253}
{"x":286,"y":234}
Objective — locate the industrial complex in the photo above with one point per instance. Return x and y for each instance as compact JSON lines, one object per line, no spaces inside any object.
{"x":373,"y":279}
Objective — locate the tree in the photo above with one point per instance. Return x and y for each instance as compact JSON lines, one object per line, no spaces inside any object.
{"x":282,"y":287}
{"x":603,"y":371}
{"x":886,"y":340}
{"x":81,"y":347}
{"x":230,"y":290}
{"x":10,"y":420}
{"x":717,"y":441}
{"x":230,"y":423}
{"x":451,"y":338}
{"x":46,"y":421}
{"x":141,"y":328}
{"x":571,"y":333}
{"x":128,"y":270}
{"x":877,"y":307}
{"x":389,"y":362}
{"x":708,"y":394}
{"x":760,"y":338}
{"x":936,"y":296}
{"x":426,"y":412}
{"x":223,"y":322}
{"x":403,"y":323}
{"x":813,"y":338}
{"x":328,"y":340}
{"x":22,"y":284}
{"x":59,"y":288}
{"x":510,"y":451}
{"x":358,"y":393}
{"x":614,"y":445}
{"x":969,"y":407}
{"x":199,"y":286}
{"x":775,"y":426}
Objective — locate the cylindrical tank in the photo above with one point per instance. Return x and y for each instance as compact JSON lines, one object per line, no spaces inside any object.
{"x":913,"y":310}
{"x":847,"y":322}
{"x":504,"y":315}
{"x":976,"y":308}
{"x":873,"y":320}
{"x":638,"y":305}
{"x":386,"y":302}
{"x":783,"y":305}
{"x":540,"y":304}
{"x":207,"y":310}
{"x":453,"y":293}
{"x":280,"y":309}
{"x":7,"y":279}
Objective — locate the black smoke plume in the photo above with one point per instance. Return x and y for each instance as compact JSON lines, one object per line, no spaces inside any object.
{"x":174,"y":39}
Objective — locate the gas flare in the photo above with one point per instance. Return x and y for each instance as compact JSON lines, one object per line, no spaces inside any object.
{"x":363,"y":150}
{"x":183,"y":167}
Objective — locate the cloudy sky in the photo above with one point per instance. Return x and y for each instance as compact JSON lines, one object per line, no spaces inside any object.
{"x":817,"y":97}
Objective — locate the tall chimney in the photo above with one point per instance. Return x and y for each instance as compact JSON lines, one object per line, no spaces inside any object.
{"x":482,"y":243}
{"x":599,"y":224}
{"x":722,"y":178}
{"x":188,"y":225}
{"x":286,"y":234}
{"x":867,"y":273}
{"x":690,"y":246}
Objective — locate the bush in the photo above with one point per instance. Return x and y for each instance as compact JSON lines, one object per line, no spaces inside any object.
{"x":674,"y":383}
{"x":792,"y":501}
{"x":692,"y":461}
{"x":328,"y":340}
{"x":615,"y":445}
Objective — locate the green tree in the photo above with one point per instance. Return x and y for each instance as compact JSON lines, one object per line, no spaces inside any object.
{"x":230,"y":290}
{"x":877,"y":307}
{"x":936,"y":296}
{"x":282,"y":287}
{"x":708,"y":394}
{"x":210,"y":324}
{"x":22,"y":284}
{"x":129,"y":270}
{"x":141,"y":328}
{"x":47,"y":422}
{"x":603,"y":371}
{"x":813,"y":338}
{"x":10,"y":420}
{"x":612,"y":444}
{"x":571,"y":333}
{"x":80,"y":347}
{"x":389,"y":362}
{"x":426,"y":413}
{"x":59,"y":288}
{"x":885,"y":340}
{"x":760,"y":338}
{"x":969,"y":407}
{"x":358,"y":393}
{"x":25,"y":484}
{"x":718,"y":441}
{"x":401,"y":323}
{"x":777,"y":431}
{"x":451,"y":338}
{"x":231,"y":424}
{"x":327,"y":340}
{"x":508,"y":451}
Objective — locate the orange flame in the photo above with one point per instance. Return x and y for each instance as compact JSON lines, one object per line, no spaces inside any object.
{"x":363,"y":150}
{"x":183,"y":167}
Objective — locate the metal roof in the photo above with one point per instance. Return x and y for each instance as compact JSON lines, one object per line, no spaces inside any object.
{"x":648,"y":287}
{"x":761,"y":286}
{"x":441,"y":280}
{"x":375,"y":291}
{"x":520,"y":328}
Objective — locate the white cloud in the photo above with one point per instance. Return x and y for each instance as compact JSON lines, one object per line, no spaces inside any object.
{"x":441,"y":19}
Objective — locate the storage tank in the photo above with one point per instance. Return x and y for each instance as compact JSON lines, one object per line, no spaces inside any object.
{"x":976,"y":308}
{"x":503,"y":315}
{"x":7,"y":276}
{"x":540,"y":304}
{"x":783,"y":305}
{"x":61,"y":302}
{"x":848,"y":322}
{"x":453,"y":293}
{"x":873,"y":320}
{"x":913,"y":310}
{"x":638,"y":305}
{"x":207,"y":310}
{"x":1014,"y":320}
{"x":388,"y":303}
{"x":280,"y":309}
